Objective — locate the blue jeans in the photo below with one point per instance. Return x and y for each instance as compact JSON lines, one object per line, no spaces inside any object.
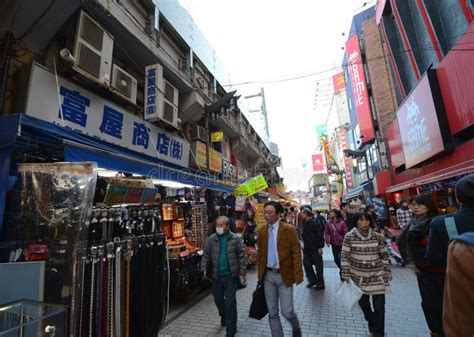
{"x":276,"y":290}
{"x":224,"y":290}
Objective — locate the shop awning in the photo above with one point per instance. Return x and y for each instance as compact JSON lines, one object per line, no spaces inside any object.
{"x":359,"y":190}
{"x":355,"y":192}
{"x":78,"y":147}
{"x":453,"y":171}
{"x":137,"y":165}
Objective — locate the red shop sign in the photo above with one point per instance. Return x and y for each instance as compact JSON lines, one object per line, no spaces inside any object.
{"x":420,"y":118}
{"x":319,"y":163}
{"x":359,"y":90}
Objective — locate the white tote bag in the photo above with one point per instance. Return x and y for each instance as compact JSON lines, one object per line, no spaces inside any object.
{"x":349,"y":294}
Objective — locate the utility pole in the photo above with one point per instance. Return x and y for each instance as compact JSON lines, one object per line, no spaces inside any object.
{"x":263,"y":111}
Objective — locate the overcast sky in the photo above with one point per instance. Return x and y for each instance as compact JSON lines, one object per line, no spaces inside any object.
{"x":274,"y":39}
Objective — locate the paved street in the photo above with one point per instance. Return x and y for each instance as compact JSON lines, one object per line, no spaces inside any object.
{"x":319,"y":312}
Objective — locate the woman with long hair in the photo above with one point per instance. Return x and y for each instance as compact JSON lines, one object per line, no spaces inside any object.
{"x":364,"y":260}
{"x":334,"y":232}
{"x":430,"y":278}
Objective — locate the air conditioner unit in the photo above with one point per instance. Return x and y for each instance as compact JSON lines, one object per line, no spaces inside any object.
{"x":93,"y":47}
{"x":169,"y":111}
{"x":124,"y":83}
{"x":199,"y":133}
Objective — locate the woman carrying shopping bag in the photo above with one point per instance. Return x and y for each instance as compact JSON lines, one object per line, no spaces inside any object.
{"x":364,"y":260}
{"x":334,"y":232}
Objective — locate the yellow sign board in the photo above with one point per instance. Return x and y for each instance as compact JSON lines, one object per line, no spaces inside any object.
{"x":215,"y":161}
{"x":252,"y":186}
{"x":217,"y":137}
{"x":241,"y":190}
{"x":201,"y":155}
{"x":200,"y":160}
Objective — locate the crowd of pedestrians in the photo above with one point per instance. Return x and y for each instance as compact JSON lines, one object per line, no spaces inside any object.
{"x":439,"y":249}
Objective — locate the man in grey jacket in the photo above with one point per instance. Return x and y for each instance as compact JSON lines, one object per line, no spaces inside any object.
{"x":225,"y":251}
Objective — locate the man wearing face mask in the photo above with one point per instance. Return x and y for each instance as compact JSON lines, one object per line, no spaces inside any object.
{"x":225,"y":251}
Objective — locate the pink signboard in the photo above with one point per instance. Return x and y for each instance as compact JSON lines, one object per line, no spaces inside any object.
{"x":419,"y":123}
{"x":319,"y":163}
{"x":359,"y":90}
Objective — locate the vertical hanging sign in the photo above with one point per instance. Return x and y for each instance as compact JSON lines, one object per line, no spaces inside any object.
{"x":347,"y":163}
{"x":359,"y":89}
{"x":153,"y":93}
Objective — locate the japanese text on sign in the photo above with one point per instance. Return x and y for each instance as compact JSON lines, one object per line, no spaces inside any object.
{"x":252,"y":186}
{"x":91,"y":115}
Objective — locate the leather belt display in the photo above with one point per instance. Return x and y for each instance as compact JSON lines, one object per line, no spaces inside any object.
{"x":124,"y":288}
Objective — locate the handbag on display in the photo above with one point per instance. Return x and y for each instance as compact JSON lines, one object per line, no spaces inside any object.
{"x":258,"y":308}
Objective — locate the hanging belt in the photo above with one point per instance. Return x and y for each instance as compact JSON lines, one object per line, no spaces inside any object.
{"x":100,"y":297}
{"x":83,"y":277}
{"x":127,"y":291}
{"x":110,"y":291}
{"x":118,"y":292}
{"x":104,"y":299}
{"x":92,"y":317}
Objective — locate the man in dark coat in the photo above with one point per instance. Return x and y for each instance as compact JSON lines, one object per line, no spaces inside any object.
{"x":445,"y":228}
{"x":320,"y":220}
{"x":463,"y":222}
{"x":313,"y":244}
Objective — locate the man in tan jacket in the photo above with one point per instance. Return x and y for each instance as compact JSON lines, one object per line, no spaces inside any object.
{"x":279,"y":268}
{"x":458,"y":304}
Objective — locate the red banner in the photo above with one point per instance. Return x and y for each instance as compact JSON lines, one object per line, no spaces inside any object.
{"x":339,"y":83}
{"x":359,"y":90}
{"x":347,"y":163}
{"x":319,"y":163}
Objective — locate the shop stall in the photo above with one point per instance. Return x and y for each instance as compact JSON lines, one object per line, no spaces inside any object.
{"x":358,"y":197}
{"x":442,"y":192}
{"x":115,"y":247}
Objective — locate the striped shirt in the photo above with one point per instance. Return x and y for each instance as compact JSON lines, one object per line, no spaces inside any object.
{"x":366,"y":262}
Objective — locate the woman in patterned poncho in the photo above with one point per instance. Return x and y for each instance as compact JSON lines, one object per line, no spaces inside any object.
{"x":365,"y":261}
